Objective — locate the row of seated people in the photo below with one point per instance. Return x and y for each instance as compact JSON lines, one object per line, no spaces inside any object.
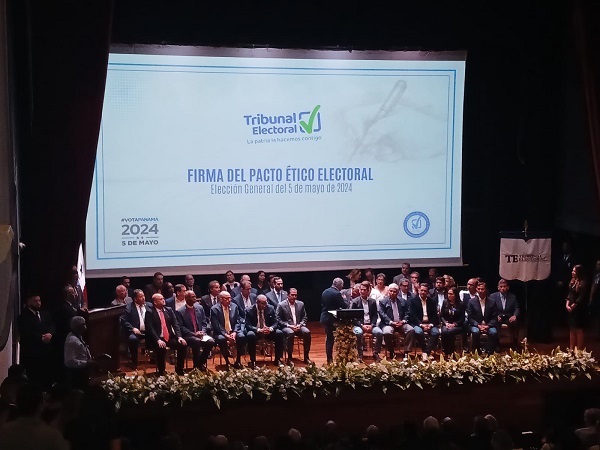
{"x":213,"y":320}
{"x":433,"y":312}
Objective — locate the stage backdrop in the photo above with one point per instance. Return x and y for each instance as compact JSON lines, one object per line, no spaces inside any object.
{"x":525,"y":259}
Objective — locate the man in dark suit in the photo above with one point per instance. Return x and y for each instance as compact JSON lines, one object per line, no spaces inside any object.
{"x":277,"y":295}
{"x":211,"y":299}
{"x":423,"y":317}
{"x":133,"y":324}
{"x":261,"y":322}
{"x":162,"y":331}
{"x":405,"y":274}
{"x":36,"y":330}
{"x":236,"y":290}
{"x":245,"y":299}
{"x":331,"y":299}
{"x":227,"y":327}
{"x":156,"y":286}
{"x":291,"y":318}
{"x":368,"y":323}
{"x":508,"y":309}
{"x":190,"y":285}
{"x":193,"y":323}
{"x":65,"y":311}
{"x":404,"y":291}
{"x":393,"y":311}
{"x":439,"y":293}
{"x":483,"y":318}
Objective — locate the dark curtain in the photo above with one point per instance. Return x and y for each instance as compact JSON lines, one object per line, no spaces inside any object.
{"x":587,"y":41}
{"x":65,"y":71}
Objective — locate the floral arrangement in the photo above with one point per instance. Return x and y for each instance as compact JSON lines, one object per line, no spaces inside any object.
{"x":345,"y":344}
{"x":334,"y":379}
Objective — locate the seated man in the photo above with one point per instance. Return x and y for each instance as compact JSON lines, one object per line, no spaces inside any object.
{"x":245,"y":299}
{"x":162,"y":331}
{"x":590,"y":435}
{"x":227,"y":327}
{"x":193,"y":323}
{"x":132,"y":322}
{"x":291,"y":318}
{"x":261,"y":322}
{"x":393,"y":311}
{"x":508,"y":309}
{"x":121,"y":297}
{"x":368,"y":324}
{"x":423,"y":317}
{"x":483,"y":318}
{"x":78,"y":359}
{"x":178,"y":300}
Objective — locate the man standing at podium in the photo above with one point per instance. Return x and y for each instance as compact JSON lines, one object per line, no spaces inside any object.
{"x":331,"y":299}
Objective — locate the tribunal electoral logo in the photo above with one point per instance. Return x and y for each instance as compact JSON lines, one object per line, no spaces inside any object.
{"x":416,"y":224}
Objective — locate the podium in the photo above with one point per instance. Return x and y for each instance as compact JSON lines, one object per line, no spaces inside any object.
{"x":104,"y":334}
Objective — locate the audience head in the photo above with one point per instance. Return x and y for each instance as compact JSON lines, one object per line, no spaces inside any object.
{"x":190,"y":297}
{"x":591,"y":417}
{"x":480,"y":426}
{"x":364,"y":289}
{"x":180,"y":291}
{"x":245,"y":287}
{"x":278,"y":284}
{"x":415,"y":277}
{"x":440,"y":283}
{"x":220,"y":442}
{"x":472,"y":285}
{"x":78,"y":325}
{"x":189,"y":280}
{"x":260,"y":443}
{"x":34,"y":302}
{"x":369,"y":275}
{"x":121,"y":292}
{"x":261,"y":276}
{"x":449,"y":281}
{"x":158,"y":300}
{"x":354,"y":275}
{"x":431,"y":423}
{"x":338,"y":283}
{"x":158,"y":279}
{"x":501,"y":440}
{"x":167,"y":289}
{"x":503,"y":286}
{"x":404,"y":285}
{"x":261,"y":302}
{"x":229,"y":277}
{"x":295,"y":436}
{"x":578,"y":272}
{"x":393,"y":291}
{"x":292,"y":295}
{"x":126,"y":281}
{"x":245,"y":278}
{"x":481,"y":289}
{"x":139,"y":297}
{"x":272,"y":280}
{"x":380,"y":279}
{"x":224,"y":298}
{"x":17,"y":372}
{"x":432,"y":272}
{"x":492,"y":422}
{"x":405,"y":269}
{"x":214,"y":287}
{"x":423,"y":291}
{"x":453,"y":294}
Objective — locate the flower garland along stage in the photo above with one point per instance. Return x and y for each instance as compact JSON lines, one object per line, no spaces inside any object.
{"x":334,"y":379}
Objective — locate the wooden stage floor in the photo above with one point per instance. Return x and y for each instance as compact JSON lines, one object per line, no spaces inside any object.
{"x":317,"y":352}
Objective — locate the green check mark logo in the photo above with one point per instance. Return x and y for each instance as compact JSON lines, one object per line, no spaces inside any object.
{"x":308,"y":127}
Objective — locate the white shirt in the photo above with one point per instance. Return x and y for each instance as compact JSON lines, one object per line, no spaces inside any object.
{"x":367,"y":317}
{"x":482,"y":304}
{"x":424,"y":305}
{"x":247,"y":302}
{"x":293,"y":310}
{"x":141,"y":309}
{"x":179,"y":304}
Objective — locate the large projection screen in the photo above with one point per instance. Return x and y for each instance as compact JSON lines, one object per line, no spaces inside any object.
{"x":217,"y":158}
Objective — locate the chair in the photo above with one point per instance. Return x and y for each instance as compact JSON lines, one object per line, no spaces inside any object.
{"x":265,"y":347}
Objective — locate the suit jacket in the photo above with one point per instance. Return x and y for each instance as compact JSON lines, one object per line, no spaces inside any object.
{"x":331,"y":299}
{"x":30,"y":331}
{"x":457,"y":317}
{"x":283,"y":313}
{"x":217,"y":319}
{"x":415,"y":311}
{"x":252,"y":318}
{"x":149,"y":291}
{"x":238,"y":290}
{"x":206,"y":303}
{"x":398,"y":279}
{"x":196,"y":289}
{"x":434,"y":295}
{"x":272,"y":298}
{"x":512,"y":305}
{"x":154,"y":328}
{"x":386,"y":312}
{"x":130,"y":318}
{"x":62,"y":318}
{"x":239,"y":301}
{"x":372,"y":306}
{"x":476,"y":317}
{"x":185,"y":321}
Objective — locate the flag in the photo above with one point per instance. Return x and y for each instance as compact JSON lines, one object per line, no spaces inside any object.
{"x":81,"y":275}
{"x":525,"y":259}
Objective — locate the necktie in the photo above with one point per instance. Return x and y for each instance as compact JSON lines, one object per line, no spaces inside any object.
{"x":395,"y":312}
{"x":214,"y":300}
{"x":227,"y":322}
{"x":38,"y":316}
{"x":261,"y":319}
{"x":279,"y":297}
{"x":163,"y":324}
{"x":192,"y":314}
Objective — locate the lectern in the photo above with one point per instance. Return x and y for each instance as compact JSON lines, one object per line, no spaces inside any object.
{"x":104,"y":334}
